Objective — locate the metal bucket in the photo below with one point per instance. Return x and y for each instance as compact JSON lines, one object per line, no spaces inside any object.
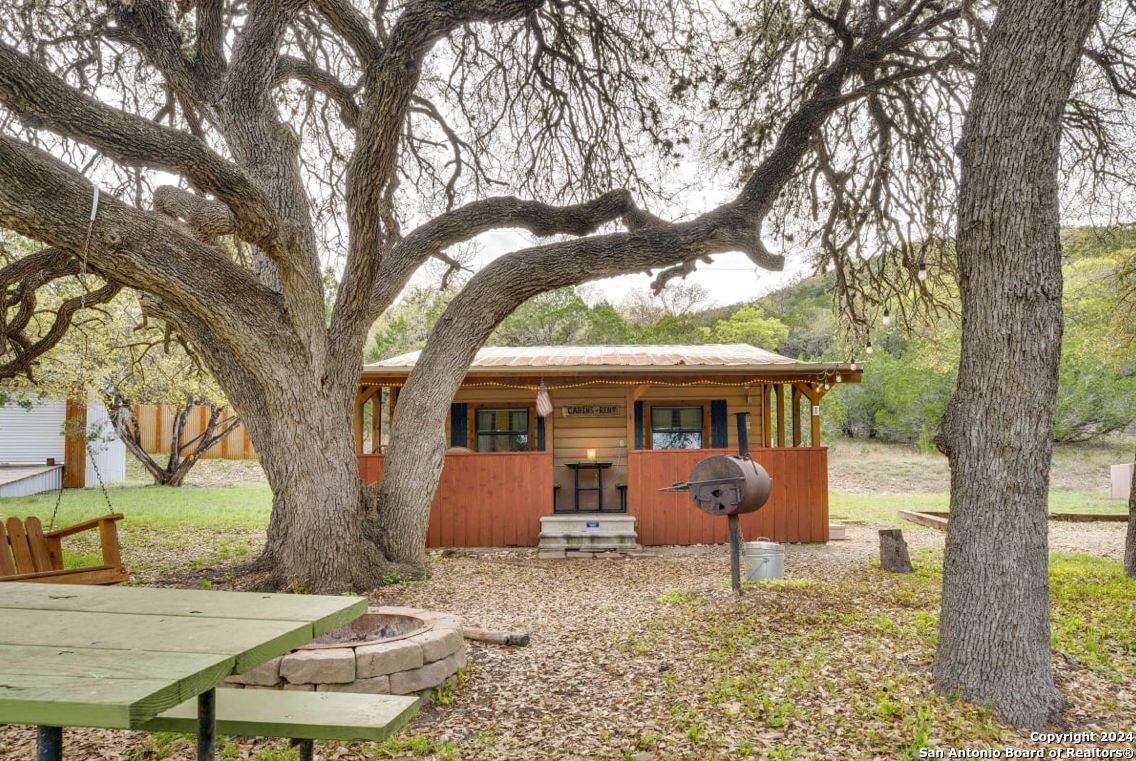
{"x":763,"y":560}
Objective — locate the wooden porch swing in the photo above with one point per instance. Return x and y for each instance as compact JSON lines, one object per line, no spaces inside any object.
{"x":29,"y":554}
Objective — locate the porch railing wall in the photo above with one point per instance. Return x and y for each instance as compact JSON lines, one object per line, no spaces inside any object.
{"x":797,"y":510}
{"x":484,"y":500}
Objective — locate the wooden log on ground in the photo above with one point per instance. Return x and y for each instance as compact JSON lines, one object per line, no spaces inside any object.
{"x":928,"y":519}
{"x":512,"y":639}
{"x":893,"y":551}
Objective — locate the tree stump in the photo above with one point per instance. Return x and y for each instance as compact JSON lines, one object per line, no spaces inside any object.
{"x":893,"y":551}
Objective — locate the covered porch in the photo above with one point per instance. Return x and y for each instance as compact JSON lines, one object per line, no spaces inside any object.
{"x":633,"y":419}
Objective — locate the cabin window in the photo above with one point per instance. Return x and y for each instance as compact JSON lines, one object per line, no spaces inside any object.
{"x":676,"y":428}
{"x":503,"y":430}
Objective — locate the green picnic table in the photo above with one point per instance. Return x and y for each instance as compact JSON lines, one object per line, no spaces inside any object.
{"x":116,"y":657}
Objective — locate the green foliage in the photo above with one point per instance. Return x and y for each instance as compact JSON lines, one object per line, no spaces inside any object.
{"x":749,"y":325}
{"x":908,"y":380}
{"x":607,"y":327}
{"x":550,"y":319}
{"x":405,"y":326}
{"x":1097,"y":396}
{"x":805,"y":307}
{"x":903,"y":393}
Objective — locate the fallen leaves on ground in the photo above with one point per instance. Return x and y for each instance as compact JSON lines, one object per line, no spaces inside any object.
{"x":655,"y":658}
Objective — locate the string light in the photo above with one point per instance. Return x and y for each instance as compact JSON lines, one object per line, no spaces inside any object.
{"x":922,"y":270}
{"x":887,"y":317}
{"x":868,"y":348}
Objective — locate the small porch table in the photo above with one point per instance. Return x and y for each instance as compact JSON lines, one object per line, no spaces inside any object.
{"x":116,"y":657}
{"x":596,"y":465}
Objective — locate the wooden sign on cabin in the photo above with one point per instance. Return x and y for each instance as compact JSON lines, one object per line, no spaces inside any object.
{"x":592,"y":410}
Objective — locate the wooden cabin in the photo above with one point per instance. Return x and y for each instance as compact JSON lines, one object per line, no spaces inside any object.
{"x":625,"y":421}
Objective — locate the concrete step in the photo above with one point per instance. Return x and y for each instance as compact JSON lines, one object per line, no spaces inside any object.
{"x":588,"y":531}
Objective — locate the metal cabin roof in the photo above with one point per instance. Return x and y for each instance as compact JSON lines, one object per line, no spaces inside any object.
{"x":655,"y":357}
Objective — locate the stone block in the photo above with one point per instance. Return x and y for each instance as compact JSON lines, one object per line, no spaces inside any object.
{"x":227,"y":685}
{"x":460,"y":657}
{"x":300,"y":687}
{"x":334,"y":666}
{"x":264,"y":675}
{"x":439,"y":643}
{"x":417,"y":680}
{"x":376,"y":685}
{"x":387,"y":658}
{"x":550,"y":555}
{"x":453,"y":663}
{"x":443,"y":621}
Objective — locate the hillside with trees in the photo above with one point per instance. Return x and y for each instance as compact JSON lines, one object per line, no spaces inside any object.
{"x":911,"y":368}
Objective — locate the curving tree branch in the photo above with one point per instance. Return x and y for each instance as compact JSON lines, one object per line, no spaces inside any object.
{"x":23,"y":340}
{"x":37,"y":95}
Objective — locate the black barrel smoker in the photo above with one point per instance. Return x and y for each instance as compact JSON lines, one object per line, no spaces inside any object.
{"x":729,"y":485}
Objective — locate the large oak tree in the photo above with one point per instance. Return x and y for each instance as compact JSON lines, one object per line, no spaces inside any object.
{"x":304,"y":127}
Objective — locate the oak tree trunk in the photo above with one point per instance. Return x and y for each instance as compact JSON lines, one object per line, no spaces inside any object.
{"x":994,"y":642}
{"x":318,"y":540}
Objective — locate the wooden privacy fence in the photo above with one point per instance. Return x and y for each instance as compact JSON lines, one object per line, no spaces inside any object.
{"x":156,"y":422}
{"x":797,"y":510}
{"x":483,"y":499}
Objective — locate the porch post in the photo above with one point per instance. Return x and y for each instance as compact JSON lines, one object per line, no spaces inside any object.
{"x":780,"y":389}
{"x":814,"y":415}
{"x":377,"y":421}
{"x":358,"y":422}
{"x":767,"y":415}
{"x":74,"y":443}
{"x":796,"y":402}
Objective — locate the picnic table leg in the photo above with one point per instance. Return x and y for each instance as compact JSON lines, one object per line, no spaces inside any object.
{"x":50,"y":744}
{"x":207,"y":726}
{"x":305,"y":747}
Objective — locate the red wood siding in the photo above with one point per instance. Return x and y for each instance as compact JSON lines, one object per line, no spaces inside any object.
{"x":797,"y":510}
{"x":484,"y":500}
{"x":496,"y":500}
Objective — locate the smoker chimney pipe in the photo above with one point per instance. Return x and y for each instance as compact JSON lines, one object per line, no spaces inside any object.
{"x":743,"y":435}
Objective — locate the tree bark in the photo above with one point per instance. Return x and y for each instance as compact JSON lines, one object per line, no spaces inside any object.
{"x":994,"y":641}
{"x":318,"y":540}
{"x":1130,"y":541}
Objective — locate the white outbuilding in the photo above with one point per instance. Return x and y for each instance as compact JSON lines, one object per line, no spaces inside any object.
{"x":37,"y":454}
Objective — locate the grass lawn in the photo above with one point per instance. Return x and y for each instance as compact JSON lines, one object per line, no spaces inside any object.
{"x":165,"y":529}
{"x":653,"y":658}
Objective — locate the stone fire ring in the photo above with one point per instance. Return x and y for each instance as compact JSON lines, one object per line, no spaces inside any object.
{"x":418,"y":661}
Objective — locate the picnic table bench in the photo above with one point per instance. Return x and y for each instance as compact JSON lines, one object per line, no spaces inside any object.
{"x":136,"y":658}
{"x":301,"y":716}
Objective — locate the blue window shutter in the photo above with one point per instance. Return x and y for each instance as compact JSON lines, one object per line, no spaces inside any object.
{"x":459,"y":425}
{"x":719,"y":425}
{"x":539,"y":433}
{"x":638,"y":425}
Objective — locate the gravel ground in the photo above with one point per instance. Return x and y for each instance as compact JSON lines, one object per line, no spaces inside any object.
{"x":595,"y":680}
